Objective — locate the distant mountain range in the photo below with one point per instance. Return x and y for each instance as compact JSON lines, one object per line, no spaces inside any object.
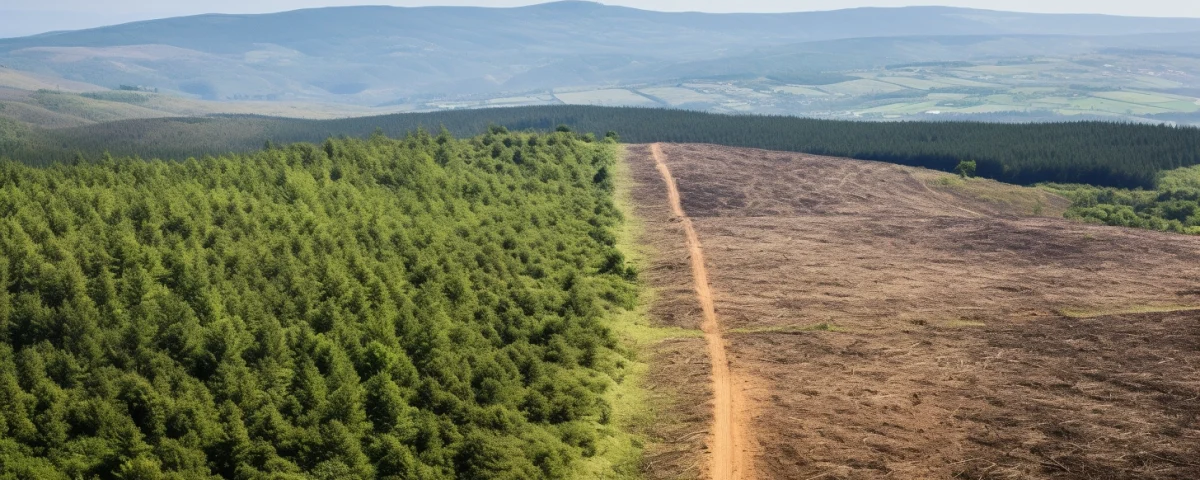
{"x":376,"y":55}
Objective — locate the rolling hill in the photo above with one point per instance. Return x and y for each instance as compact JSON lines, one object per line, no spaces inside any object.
{"x":1098,"y":153}
{"x":373,"y":55}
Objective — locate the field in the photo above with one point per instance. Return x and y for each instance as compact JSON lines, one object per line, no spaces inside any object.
{"x":798,"y":90}
{"x":58,"y":103}
{"x":903,"y":108}
{"x":606,"y":97}
{"x":861,"y":87}
{"x":883,"y":321}
{"x":675,"y":96}
{"x":1111,"y":86}
{"x":16,"y":79}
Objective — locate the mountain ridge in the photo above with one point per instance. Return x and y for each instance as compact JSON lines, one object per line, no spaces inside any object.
{"x":373,"y":55}
{"x":575,"y":6}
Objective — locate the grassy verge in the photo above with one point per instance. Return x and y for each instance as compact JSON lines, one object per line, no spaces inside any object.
{"x":1105,"y":312}
{"x":624,"y":438}
{"x":1013,"y":199}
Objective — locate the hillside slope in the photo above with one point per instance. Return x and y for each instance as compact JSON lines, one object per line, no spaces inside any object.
{"x":415,"y":308}
{"x":882,"y":324}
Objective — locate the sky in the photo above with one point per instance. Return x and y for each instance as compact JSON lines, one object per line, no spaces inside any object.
{"x":27,"y":17}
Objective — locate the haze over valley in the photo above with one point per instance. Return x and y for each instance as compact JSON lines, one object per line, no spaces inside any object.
{"x":870,"y":63}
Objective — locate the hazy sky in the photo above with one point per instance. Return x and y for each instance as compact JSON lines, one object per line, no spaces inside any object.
{"x":26,"y":17}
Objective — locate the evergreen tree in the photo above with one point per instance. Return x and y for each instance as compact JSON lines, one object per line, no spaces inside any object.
{"x":354,"y":309}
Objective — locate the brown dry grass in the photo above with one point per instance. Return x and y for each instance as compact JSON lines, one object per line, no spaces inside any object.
{"x":897,"y":325}
{"x":679,"y":368}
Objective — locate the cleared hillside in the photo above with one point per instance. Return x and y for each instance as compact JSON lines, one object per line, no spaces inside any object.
{"x":882,"y":321}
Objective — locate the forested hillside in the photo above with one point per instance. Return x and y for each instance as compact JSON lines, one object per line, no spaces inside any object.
{"x":415,"y":308}
{"x":1098,"y":153}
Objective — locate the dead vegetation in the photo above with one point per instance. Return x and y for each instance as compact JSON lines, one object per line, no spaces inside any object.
{"x":897,"y":325}
{"x":679,"y":367}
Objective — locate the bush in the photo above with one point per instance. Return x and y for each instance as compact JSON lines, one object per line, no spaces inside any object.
{"x":966,"y":168}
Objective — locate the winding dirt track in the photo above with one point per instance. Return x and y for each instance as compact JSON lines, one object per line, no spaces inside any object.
{"x":728,"y":433}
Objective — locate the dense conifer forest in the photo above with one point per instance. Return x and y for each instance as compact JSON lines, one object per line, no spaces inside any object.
{"x":1097,"y":153}
{"x":422,"y":307}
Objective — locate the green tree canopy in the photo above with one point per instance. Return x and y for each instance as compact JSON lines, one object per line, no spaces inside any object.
{"x":423,"y":307}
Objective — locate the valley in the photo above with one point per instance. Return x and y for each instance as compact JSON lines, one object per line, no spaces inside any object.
{"x":864,"y":64}
{"x":1111,"y":86}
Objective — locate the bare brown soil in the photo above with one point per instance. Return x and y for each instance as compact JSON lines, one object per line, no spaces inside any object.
{"x":729,"y":429}
{"x":680,"y":368}
{"x":897,"y":323}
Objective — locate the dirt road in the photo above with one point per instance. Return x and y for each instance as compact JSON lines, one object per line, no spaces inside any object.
{"x":728,"y":434}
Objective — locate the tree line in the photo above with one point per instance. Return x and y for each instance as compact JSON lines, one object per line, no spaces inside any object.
{"x":423,"y":307}
{"x":1096,"y":153}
